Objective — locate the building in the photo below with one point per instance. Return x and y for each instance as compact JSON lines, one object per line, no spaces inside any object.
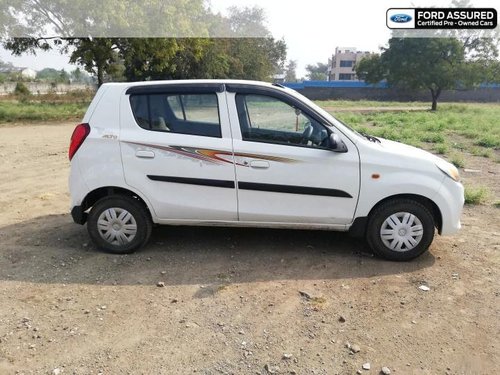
{"x":25,"y":73}
{"x":341,"y":65}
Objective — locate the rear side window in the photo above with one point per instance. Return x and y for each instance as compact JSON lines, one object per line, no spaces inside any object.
{"x":193,"y":114}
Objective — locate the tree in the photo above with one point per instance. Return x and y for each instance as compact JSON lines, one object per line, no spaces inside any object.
{"x":53,"y":75}
{"x":291,"y":71}
{"x":166,"y":58}
{"x":76,"y":75}
{"x":28,"y":24}
{"x":317,"y":72}
{"x":435,"y":64}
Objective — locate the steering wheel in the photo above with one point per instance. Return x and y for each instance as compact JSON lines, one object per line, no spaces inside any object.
{"x":307,"y":133}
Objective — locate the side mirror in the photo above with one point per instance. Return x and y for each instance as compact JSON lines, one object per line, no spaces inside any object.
{"x":336,"y":144}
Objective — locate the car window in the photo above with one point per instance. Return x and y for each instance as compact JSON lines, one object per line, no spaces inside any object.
{"x":193,"y":114}
{"x":268,"y":119}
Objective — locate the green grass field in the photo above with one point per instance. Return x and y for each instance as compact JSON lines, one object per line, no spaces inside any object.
{"x":14,"y":112}
{"x":470,"y":127}
{"x":42,"y":108}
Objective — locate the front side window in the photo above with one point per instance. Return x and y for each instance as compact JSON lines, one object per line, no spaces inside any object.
{"x":193,"y":114}
{"x":268,"y":119}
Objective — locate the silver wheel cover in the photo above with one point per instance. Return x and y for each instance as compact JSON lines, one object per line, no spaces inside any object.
{"x":117,"y":226}
{"x":401,"y":231}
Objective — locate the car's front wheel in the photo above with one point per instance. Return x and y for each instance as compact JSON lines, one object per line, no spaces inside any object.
{"x":400,"y":229}
{"x":119,"y":224}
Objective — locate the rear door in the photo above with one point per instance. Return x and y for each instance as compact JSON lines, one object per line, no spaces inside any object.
{"x":177,"y":150}
{"x":284,"y":169}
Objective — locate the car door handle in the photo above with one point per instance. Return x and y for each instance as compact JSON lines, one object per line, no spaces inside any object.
{"x":145,"y":154}
{"x":259,"y":164}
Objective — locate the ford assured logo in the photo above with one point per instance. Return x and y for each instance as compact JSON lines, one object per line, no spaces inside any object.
{"x":401,"y":18}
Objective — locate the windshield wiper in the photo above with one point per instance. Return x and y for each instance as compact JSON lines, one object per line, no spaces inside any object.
{"x":371,"y":138}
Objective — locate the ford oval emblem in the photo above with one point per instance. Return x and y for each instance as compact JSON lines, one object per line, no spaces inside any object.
{"x":401,"y":18}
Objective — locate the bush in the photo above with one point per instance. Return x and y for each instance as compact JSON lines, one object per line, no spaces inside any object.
{"x":489,"y":141}
{"x":458,"y":161}
{"x":21,"y":90}
{"x":475,"y":195}
{"x":432,"y":138}
{"x":441,"y":149}
{"x":484,"y":152}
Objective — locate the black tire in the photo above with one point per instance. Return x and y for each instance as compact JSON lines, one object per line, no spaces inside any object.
{"x":397,"y":207}
{"x":119,"y":204}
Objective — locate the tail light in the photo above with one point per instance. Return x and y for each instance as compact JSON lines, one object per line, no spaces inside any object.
{"x":79,"y":134}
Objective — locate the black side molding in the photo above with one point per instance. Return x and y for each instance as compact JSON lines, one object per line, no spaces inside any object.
{"x":194,"y":181}
{"x":291,"y":189}
{"x":288,"y":189}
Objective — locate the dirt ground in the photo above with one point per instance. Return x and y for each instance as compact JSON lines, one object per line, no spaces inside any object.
{"x":232,"y":301}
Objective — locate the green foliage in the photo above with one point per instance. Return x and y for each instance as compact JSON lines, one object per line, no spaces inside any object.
{"x":21,"y":90}
{"x":116,"y":59}
{"x":434,"y":64}
{"x":488,"y":141}
{"x":432,"y":137}
{"x":317,"y":72}
{"x":238,"y":58}
{"x":441,"y":149}
{"x":458,"y":161}
{"x":53,"y":75}
{"x":475,"y":195}
{"x":479,"y":151}
{"x":421,"y":63}
{"x":371,"y":69}
{"x":30,"y":111}
{"x":462,"y":127}
{"x":291,"y":71}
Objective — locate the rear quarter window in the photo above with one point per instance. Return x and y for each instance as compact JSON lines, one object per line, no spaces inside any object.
{"x":192,"y":114}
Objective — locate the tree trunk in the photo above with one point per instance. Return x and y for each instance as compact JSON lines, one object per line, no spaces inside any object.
{"x":100,"y":75}
{"x":435,"y":95}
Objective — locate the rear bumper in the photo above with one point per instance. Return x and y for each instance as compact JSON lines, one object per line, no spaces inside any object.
{"x":79,"y":215}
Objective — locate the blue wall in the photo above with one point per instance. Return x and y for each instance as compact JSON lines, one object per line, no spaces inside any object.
{"x":357,"y":90}
{"x":356,"y":84}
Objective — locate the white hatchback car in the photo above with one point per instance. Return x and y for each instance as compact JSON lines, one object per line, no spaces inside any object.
{"x":243,"y":153}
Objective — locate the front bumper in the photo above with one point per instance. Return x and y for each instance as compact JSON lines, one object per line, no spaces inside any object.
{"x":450,"y":200}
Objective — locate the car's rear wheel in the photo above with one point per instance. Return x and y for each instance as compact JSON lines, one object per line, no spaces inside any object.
{"x":400,"y":229}
{"x":119,"y":224}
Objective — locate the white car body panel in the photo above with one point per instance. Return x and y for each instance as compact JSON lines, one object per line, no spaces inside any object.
{"x":109,"y":158}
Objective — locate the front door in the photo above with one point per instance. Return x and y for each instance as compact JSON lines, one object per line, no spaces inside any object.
{"x":284,"y":169}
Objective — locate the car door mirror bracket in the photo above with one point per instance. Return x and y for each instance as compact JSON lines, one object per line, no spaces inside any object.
{"x":336,"y":144}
